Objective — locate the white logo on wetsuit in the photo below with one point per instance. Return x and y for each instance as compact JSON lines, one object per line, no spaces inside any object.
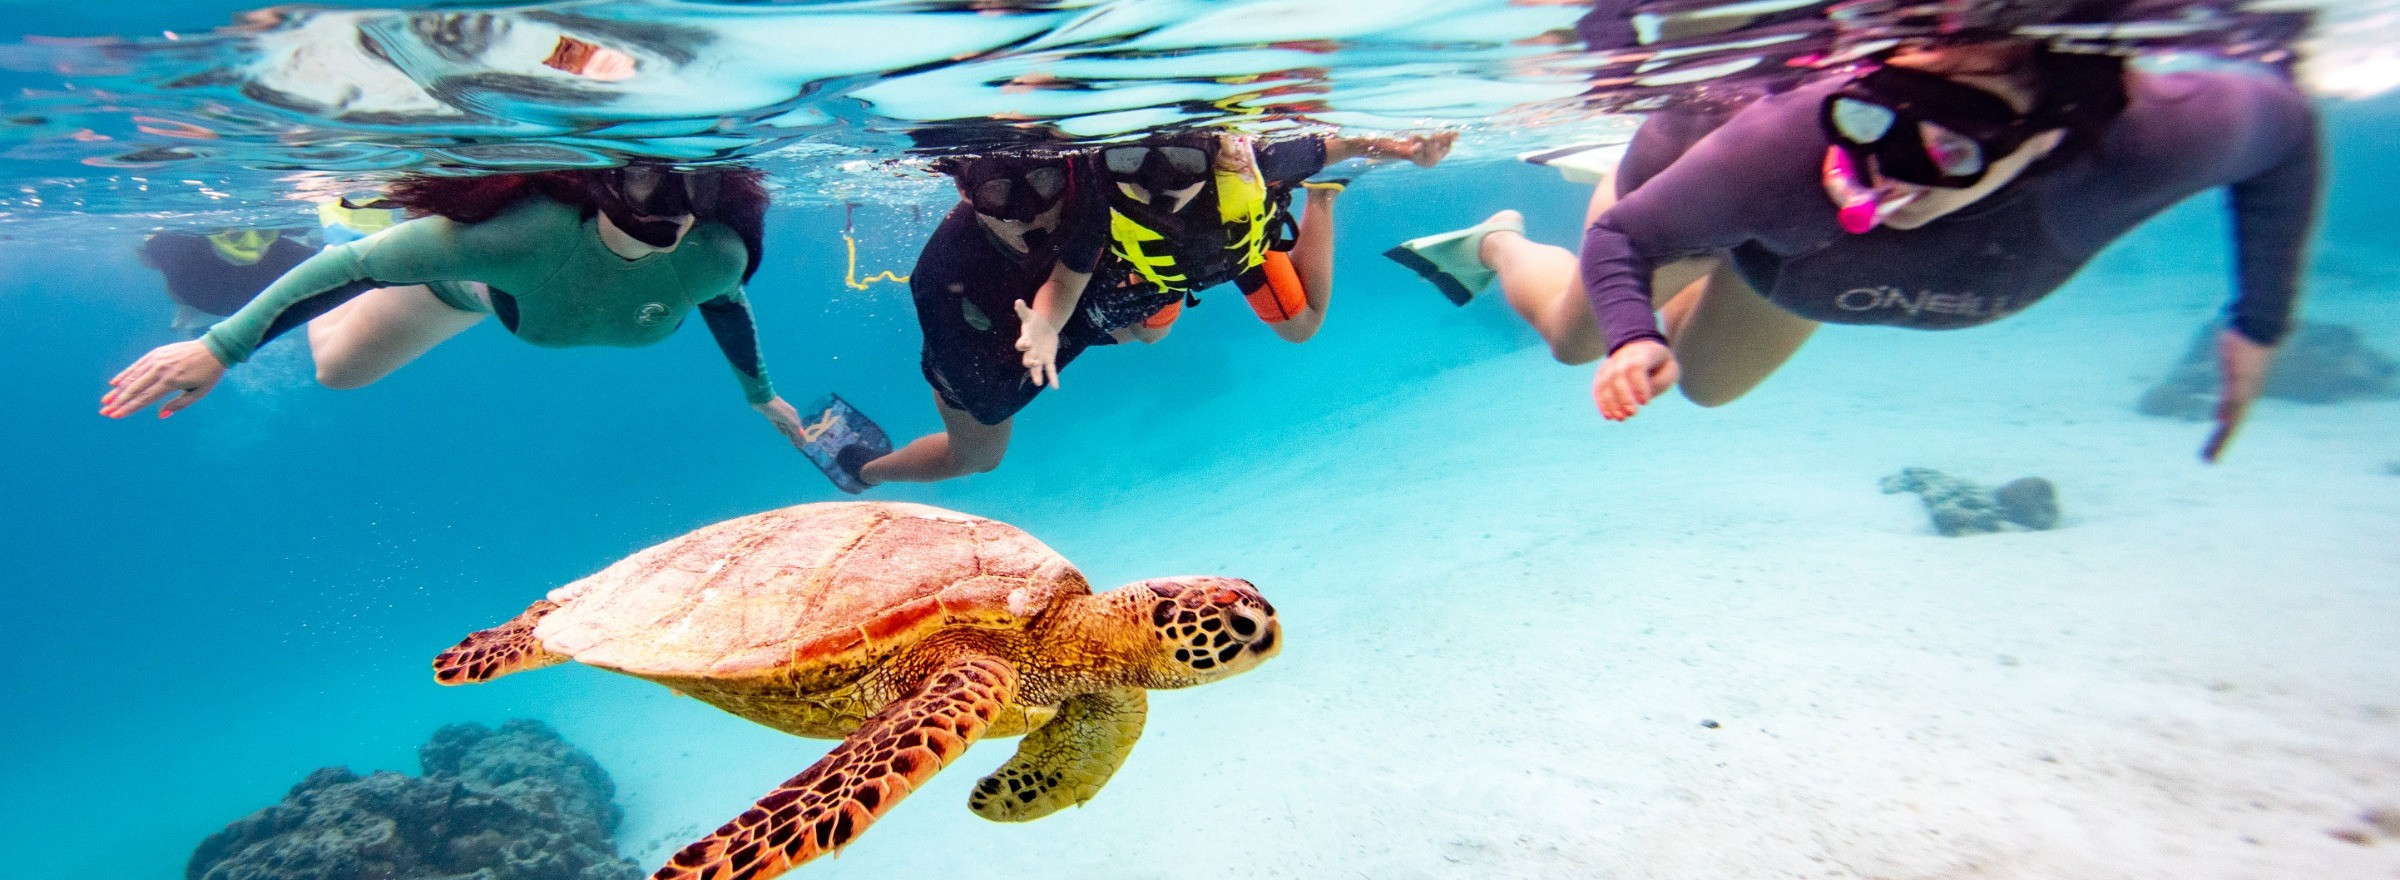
{"x":1969,"y":305}
{"x":650,"y":314}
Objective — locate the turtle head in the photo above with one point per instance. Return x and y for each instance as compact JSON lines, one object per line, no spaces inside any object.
{"x":1205,"y":628}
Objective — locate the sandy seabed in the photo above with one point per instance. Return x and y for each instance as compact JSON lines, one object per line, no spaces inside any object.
{"x":1527,"y":643}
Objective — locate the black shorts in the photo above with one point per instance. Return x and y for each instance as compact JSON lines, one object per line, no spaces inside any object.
{"x":966,"y":286}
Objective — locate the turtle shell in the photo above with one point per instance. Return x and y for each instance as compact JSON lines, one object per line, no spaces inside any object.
{"x":817,"y":585}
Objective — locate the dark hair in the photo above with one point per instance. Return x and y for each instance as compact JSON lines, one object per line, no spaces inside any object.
{"x":741,"y":199}
{"x":2080,"y":92}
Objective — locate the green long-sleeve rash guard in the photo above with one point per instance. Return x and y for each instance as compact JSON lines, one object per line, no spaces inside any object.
{"x":552,"y":281}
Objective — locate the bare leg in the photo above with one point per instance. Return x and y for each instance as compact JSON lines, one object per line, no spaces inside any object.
{"x":365,"y":339}
{"x":964,"y":447}
{"x":1728,"y":338}
{"x":1543,"y":284}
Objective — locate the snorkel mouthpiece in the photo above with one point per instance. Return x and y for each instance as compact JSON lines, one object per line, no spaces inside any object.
{"x":1857,"y":206}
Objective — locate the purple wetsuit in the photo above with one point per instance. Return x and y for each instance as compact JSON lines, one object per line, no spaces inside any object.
{"x":1753,"y":189}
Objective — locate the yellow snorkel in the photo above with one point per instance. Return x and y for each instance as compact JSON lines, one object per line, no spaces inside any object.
{"x":243,"y":247}
{"x":344,"y":222}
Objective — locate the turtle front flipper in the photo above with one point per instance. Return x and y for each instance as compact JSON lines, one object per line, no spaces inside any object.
{"x":488,"y":654}
{"x":1065,"y":762}
{"x":835,"y":799}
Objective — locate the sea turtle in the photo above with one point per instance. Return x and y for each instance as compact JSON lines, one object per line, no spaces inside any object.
{"x":906,"y":631}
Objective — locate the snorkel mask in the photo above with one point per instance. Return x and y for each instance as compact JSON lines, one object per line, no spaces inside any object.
{"x":243,"y":247}
{"x":1892,"y":127}
{"x":649,"y":202}
{"x":1011,"y":188}
{"x":1921,"y":128}
{"x":1164,"y":176}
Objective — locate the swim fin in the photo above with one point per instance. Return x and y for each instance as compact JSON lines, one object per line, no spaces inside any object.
{"x":1453,"y":261}
{"x":1579,"y":163}
{"x":840,"y":440}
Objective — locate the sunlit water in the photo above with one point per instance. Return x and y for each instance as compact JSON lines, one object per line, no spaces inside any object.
{"x":1506,"y":617}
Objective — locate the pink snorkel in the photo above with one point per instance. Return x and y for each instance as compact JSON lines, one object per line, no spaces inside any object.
{"x":1859,"y":208}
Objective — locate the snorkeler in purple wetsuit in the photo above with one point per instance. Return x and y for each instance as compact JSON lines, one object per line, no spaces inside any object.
{"x":1938,"y":188}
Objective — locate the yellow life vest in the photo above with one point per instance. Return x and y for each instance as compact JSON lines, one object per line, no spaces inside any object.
{"x":1131,"y":241}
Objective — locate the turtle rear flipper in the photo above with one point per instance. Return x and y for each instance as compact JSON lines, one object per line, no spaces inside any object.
{"x":489,"y":654}
{"x":1065,"y":762}
{"x":834,"y":800}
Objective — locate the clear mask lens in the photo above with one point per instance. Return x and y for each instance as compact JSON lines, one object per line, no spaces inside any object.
{"x":1188,"y":160}
{"x":991,"y":196}
{"x":1955,"y":154}
{"x":641,"y":184}
{"x":1124,"y":160}
{"x":1046,"y":182}
{"x":703,"y":187}
{"x":1862,"y":123}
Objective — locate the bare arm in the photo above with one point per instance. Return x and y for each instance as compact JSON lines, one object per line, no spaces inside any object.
{"x":1312,"y":257}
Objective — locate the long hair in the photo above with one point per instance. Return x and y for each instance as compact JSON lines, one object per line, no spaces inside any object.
{"x":2082,"y":93}
{"x":741,"y":199}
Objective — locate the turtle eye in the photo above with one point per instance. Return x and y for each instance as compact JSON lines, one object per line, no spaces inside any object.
{"x":1243,"y":626}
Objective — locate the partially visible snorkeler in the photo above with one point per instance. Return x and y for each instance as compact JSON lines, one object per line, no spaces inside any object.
{"x":210,"y":276}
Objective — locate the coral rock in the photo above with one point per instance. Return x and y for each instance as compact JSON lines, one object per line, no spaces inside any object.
{"x":514,"y":804}
{"x":2317,"y":363}
{"x":1960,"y":507}
{"x":2028,"y":501}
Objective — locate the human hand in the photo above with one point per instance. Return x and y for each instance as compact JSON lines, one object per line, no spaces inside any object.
{"x":2242,"y":366}
{"x":1631,"y":376}
{"x":1039,"y":341}
{"x":1428,"y":150}
{"x":187,"y":370}
{"x":786,"y":421}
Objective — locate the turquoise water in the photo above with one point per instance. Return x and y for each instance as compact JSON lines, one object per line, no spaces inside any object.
{"x":1506,"y":617}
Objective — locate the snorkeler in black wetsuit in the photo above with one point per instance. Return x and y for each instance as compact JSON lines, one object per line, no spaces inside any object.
{"x":212,"y":276}
{"x":1944,"y":186}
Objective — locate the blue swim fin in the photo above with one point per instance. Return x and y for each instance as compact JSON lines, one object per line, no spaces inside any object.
{"x":840,"y":440}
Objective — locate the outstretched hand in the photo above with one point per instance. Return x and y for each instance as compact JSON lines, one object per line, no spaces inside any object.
{"x":1631,"y":376}
{"x":2242,"y":365}
{"x":185,"y":370}
{"x":1039,"y":342}
{"x":786,"y":421}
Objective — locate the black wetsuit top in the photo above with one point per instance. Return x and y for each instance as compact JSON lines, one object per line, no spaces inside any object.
{"x":967,"y":283}
{"x":1753,"y":188}
{"x":199,"y":277}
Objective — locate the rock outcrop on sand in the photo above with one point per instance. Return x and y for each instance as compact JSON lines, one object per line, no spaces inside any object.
{"x":518,"y":803}
{"x":2317,"y":363}
{"x":1961,"y":507}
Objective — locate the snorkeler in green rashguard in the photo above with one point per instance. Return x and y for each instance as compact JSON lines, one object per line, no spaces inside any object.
{"x":617,"y":257}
